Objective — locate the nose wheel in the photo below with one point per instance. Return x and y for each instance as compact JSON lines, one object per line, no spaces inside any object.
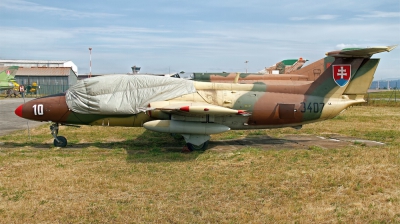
{"x":59,"y":141}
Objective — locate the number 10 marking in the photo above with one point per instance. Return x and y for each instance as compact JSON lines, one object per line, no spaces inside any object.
{"x":38,"y":109}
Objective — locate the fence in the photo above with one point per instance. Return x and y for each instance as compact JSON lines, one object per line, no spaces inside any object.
{"x":384,"y":98}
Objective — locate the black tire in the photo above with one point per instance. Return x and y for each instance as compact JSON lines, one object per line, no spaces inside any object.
{"x":62,"y":141}
{"x":177,"y":136}
{"x":201,"y":147}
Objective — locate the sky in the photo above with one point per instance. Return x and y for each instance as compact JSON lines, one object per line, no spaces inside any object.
{"x":163,"y":36}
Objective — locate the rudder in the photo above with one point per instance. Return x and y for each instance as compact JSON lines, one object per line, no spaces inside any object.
{"x":362,"y":80}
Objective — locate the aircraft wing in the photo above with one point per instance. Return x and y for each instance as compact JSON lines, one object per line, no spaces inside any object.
{"x":199,"y":109}
{"x":361,"y":52}
{"x":195,"y":121}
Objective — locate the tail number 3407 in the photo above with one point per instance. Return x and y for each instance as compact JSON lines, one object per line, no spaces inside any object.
{"x":312,"y":107}
{"x":38,"y":109}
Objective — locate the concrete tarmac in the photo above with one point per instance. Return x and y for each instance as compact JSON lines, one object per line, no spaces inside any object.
{"x":10,"y":122}
{"x":299,"y":141}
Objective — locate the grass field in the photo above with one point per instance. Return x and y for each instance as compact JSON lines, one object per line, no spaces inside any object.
{"x":129,"y":175}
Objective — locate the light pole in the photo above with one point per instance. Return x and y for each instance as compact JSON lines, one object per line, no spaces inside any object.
{"x":246,"y":65}
{"x":90,"y":59}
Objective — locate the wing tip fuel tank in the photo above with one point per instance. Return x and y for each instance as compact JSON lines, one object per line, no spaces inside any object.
{"x":211,"y":109}
{"x":182,"y":127}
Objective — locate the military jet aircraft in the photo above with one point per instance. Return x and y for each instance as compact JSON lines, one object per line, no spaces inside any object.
{"x":196,"y":110}
{"x":286,"y":66}
{"x":7,"y":79}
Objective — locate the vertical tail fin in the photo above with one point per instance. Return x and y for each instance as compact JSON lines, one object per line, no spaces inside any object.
{"x":7,"y":79}
{"x":350,"y":73}
{"x":8,"y":73}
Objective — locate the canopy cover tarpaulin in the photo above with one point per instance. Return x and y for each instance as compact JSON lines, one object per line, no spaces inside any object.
{"x":124,"y":94}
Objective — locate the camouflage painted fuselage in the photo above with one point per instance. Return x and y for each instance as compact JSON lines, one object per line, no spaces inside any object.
{"x":272,"y":103}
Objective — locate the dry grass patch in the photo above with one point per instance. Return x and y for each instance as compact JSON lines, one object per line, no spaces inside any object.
{"x":94,"y":185}
{"x":141,"y":176}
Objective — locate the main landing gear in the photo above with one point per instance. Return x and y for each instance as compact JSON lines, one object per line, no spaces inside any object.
{"x":59,"y":141}
{"x":201,"y":147}
{"x":193,"y":142}
{"x":190,"y":147}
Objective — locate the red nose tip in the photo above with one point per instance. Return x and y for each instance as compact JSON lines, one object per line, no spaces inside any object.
{"x":18,"y":111}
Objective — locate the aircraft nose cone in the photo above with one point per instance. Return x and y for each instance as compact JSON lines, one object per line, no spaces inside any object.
{"x":18,"y":111}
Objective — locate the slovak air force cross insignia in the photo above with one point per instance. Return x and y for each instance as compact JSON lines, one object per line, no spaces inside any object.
{"x":341,"y":74}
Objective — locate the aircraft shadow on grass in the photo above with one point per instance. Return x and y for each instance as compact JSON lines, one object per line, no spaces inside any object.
{"x":161,"y":147}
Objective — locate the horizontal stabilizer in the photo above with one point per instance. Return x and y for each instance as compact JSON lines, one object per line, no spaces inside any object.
{"x":360,"y":52}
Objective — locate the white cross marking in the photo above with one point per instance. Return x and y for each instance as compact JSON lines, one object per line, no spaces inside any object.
{"x":342,"y":72}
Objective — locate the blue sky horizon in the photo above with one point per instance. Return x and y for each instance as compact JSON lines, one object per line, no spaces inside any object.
{"x":164,"y":36}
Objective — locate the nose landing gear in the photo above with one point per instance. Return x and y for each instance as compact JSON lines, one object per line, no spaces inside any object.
{"x":59,"y":141}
